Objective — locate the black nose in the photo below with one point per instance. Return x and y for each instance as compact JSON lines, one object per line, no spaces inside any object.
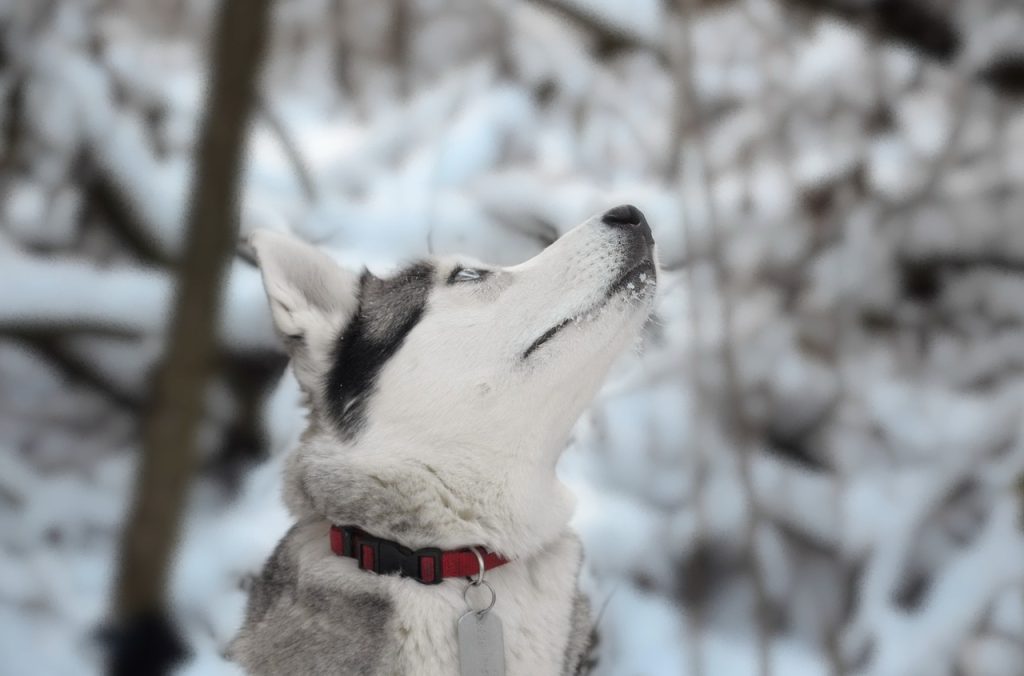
{"x":628,"y":217}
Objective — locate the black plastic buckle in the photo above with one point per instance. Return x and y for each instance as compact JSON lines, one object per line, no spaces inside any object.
{"x":390,"y":557}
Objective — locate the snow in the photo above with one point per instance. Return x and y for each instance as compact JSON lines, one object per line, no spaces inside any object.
{"x":876,"y":329}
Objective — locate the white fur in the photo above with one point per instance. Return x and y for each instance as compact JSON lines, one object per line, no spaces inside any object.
{"x":310,"y":298}
{"x":461,"y":433}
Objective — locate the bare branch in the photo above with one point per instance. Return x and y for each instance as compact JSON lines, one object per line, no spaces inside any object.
{"x":107,"y":201}
{"x":610,"y":38}
{"x":913,"y":23}
{"x":688,"y":92}
{"x":52,"y":348}
{"x":1005,"y":74}
{"x":341,"y":57}
{"x":40,"y":330}
{"x":681,"y":61}
{"x":399,"y":42}
{"x":938,"y":167}
{"x":148,"y":643}
{"x":290,"y":148}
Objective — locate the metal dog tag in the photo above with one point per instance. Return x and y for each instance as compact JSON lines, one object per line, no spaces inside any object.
{"x":481,"y":645}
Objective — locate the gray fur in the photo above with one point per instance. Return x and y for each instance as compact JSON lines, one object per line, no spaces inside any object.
{"x":278,"y":579}
{"x":296,"y":628}
{"x":580,"y":636}
{"x":384,"y":505}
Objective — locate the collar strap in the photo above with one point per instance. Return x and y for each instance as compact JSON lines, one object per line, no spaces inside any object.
{"x":429,"y":565}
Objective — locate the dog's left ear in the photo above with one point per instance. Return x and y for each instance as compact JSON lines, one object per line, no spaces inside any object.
{"x":311,"y":298}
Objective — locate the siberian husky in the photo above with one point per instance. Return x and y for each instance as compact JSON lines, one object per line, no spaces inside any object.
{"x":439,"y":401}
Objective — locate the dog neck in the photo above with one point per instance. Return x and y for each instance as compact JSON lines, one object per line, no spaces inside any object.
{"x":431,"y":495}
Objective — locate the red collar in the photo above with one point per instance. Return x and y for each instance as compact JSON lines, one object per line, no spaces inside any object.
{"x":428,"y":566}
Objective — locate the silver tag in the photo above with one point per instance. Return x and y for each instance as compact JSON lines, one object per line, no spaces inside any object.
{"x":481,"y":646}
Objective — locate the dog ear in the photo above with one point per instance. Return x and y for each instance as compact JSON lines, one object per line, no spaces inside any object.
{"x":311,"y":299}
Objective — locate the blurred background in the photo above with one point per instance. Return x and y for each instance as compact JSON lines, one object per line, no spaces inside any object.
{"x":810,"y":466}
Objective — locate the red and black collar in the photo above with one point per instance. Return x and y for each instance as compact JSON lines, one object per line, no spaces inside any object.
{"x":429,"y":565}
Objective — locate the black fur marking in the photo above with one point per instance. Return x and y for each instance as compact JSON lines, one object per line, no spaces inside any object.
{"x":388,"y":310}
{"x":545,"y":337}
{"x":646,"y":267}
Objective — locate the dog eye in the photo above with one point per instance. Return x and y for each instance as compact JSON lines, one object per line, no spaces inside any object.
{"x":466,"y":275}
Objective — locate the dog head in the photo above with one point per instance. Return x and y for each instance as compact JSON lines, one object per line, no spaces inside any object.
{"x":453,"y":356}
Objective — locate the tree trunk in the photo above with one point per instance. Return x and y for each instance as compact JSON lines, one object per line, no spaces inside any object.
{"x":144,"y":639}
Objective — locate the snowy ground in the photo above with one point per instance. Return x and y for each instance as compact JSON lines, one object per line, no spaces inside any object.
{"x":831,"y":386}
